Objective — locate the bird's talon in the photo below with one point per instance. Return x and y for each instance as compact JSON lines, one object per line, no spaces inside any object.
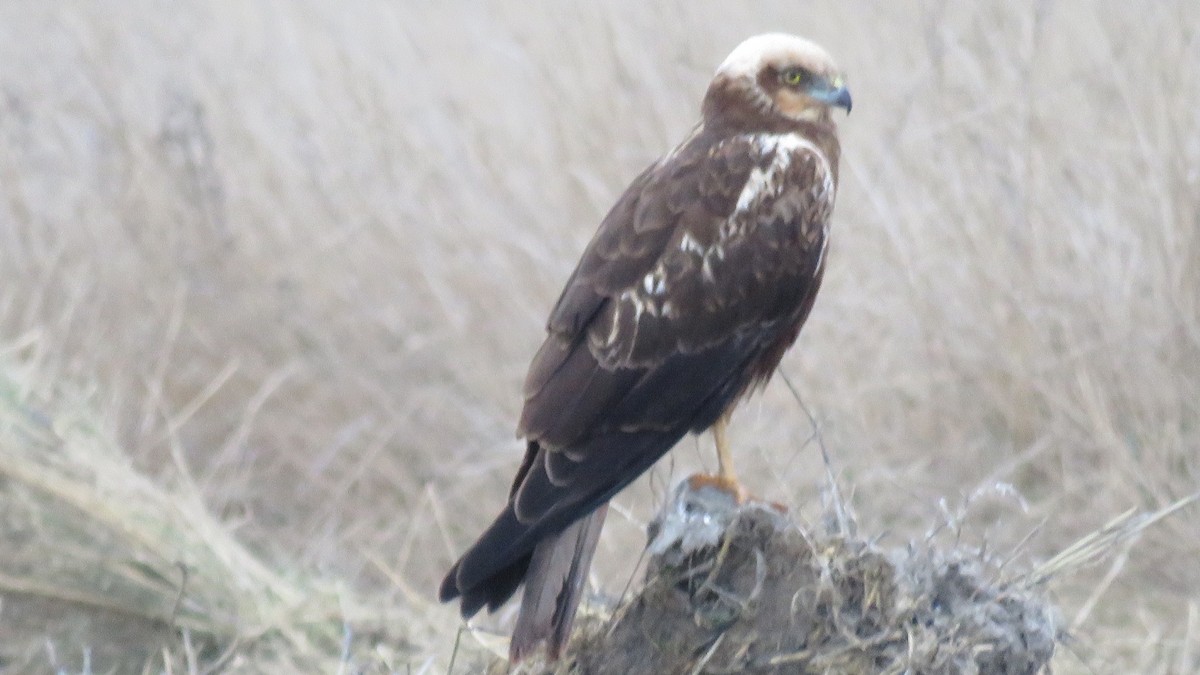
{"x":725,"y":484}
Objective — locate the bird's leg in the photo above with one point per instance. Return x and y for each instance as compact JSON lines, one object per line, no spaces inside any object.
{"x":724,"y":457}
{"x":725,"y":479}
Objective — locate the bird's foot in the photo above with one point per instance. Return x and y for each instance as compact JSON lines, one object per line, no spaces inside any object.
{"x":727,"y":484}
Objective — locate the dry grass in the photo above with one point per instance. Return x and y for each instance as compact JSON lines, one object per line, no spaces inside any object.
{"x":301,"y":254}
{"x":153,"y":579}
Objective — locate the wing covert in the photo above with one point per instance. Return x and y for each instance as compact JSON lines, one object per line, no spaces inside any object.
{"x":720,"y":243}
{"x":748,"y":236}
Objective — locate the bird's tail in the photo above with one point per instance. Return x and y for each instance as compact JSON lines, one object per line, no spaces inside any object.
{"x":554,"y":585}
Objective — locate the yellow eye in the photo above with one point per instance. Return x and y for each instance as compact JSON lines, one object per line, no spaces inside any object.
{"x":794,"y":77}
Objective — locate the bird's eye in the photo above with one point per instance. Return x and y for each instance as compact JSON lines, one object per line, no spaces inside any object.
{"x":794,"y":77}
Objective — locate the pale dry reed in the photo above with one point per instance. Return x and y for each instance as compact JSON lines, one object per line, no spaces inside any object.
{"x":314,"y":246}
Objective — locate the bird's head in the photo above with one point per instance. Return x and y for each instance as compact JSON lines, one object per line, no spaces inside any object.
{"x":779,"y":76}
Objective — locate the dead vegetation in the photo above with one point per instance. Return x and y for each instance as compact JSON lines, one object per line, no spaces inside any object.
{"x":296,"y":257}
{"x":104,"y":566}
{"x":138,"y":574}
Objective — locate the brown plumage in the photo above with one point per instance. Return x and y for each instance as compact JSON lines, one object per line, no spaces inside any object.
{"x":695,"y":285}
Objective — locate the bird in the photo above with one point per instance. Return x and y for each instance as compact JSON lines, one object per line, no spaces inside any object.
{"x":683,"y":303}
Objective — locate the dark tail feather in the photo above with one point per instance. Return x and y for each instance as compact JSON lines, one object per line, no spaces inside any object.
{"x":554,"y":585}
{"x":489,"y":572}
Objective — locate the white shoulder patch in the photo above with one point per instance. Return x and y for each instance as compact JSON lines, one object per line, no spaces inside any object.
{"x":767,"y":181}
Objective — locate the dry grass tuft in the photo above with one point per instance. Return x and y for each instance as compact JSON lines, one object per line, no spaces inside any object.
{"x":165,"y":583}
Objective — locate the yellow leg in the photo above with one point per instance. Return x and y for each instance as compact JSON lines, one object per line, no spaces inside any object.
{"x":725,"y":480}
{"x":724,"y":456}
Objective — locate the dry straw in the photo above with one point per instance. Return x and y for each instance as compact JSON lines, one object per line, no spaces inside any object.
{"x":729,"y":588}
{"x":86,"y":530}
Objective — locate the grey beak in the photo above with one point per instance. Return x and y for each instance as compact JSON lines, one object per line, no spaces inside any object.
{"x":841,"y":98}
{"x":838,"y":97}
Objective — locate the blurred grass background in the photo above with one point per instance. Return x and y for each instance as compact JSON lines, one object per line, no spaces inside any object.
{"x":311,"y":248}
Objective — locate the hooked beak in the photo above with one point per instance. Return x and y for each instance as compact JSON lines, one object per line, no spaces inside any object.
{"x":836,"y":96}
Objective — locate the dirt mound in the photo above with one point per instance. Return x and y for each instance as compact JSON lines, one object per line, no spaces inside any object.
{"x":742,"y":589}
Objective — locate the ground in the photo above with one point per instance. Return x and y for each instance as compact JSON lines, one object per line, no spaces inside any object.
{"x":287,"y":262}
{"x":739,"y":588}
